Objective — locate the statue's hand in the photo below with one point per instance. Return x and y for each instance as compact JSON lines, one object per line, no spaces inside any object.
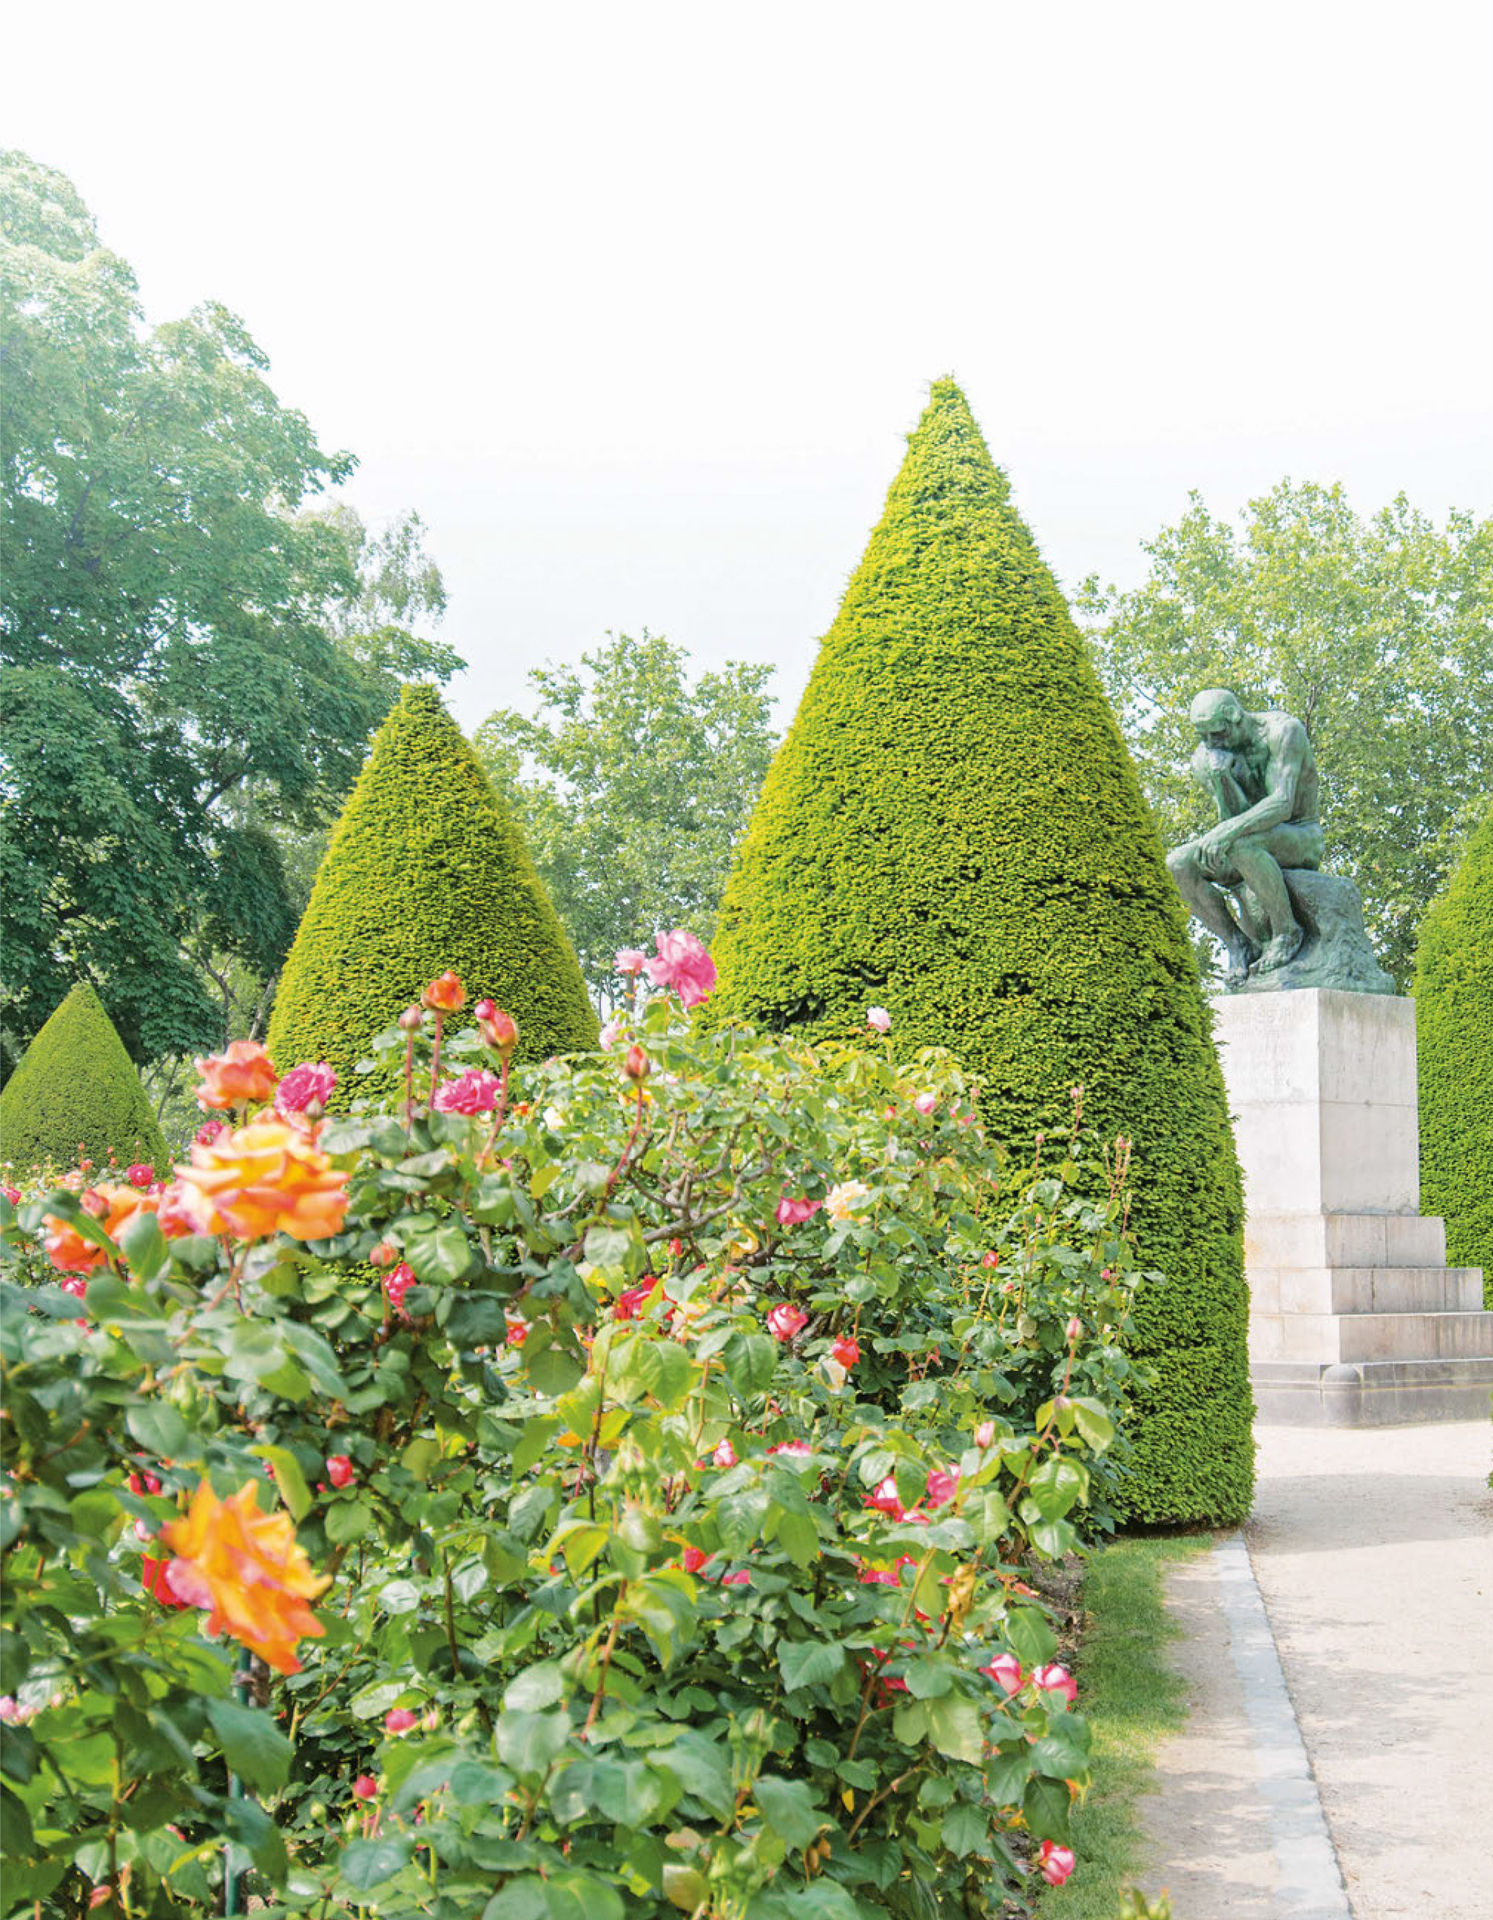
{"x":1217,"y":843}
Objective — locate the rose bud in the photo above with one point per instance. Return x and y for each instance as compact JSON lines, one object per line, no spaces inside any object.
{"x":340,"y":1470}
{"x":499,"y":1029}
{"x":847,"y":1350}
{"x":365,"y":1786}
{"x":445,"y":994}
{"x":385,"y":1254}
{"x":785,"y":1320}
{"x":1056,"y":1679}
{"x":636,"y":1064}
{"x":985,"y":1433}
{"x":400,"y":1720}
{"x":1055,"y":1862}
{"x":411,"y":1020}
{"x":1005,"y":1670}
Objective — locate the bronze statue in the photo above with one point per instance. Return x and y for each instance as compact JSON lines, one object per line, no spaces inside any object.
{"x":1259,"y":771}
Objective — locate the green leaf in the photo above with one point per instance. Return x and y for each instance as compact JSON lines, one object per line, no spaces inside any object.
{"x":159,"y":1428}
{"x":254,"y":1747}
{"x":535,"y":1688}
{"x":528,"y":1742}
{"x":929,"y":1676}
{"x":1056,"y":1486}
{"x":366,"y":1864}
{"x":1045,"y":1804}
{"x":799,"y":1538}
{"x":954,"y":1727}
{"x":750,"y":1360}
{"x":788,"y":1808}
{"x":965,"y":1829}
{"x":1093,"y":1422}
{"x":252,"y":1828}
{"x":348,"y":1520}
{"x":289,"y":1479}
{"x":144,"y":1245}
{"x":399,"y":1596}
{"x":609,"y":1248}
{"x":1032,"y":1639}
{"x":553,"y":1371}
{"x":808,"y":1663}
{"x":374,"y":1701}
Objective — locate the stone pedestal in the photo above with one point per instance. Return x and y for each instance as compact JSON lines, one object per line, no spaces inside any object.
{"x":1355,"y":1319}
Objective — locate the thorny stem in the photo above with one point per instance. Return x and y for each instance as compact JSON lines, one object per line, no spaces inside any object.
{"x":606,"y":1661}
{"x":435,"y":1053}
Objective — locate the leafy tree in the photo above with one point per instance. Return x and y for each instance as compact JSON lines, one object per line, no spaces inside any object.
{"x":632,"y":786}
{"x":1454,"y":1025}
{"x":76,"y":1088}
{"x":174,"y":690}
{"x":953,"y":830}
{"x":1377,"y":635}
{"x":425,"y":872}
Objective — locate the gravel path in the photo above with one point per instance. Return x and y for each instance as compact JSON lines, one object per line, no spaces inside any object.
{"x":1373,"y":1553}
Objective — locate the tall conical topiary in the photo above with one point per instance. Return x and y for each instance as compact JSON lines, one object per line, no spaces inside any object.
{"x":953,"y":829}
{"x":77,"y":1087}
{"x":1454,"y":1033}
{"x":425,"y":872}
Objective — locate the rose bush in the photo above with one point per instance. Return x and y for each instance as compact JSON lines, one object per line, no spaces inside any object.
{"x":674,"y":1450}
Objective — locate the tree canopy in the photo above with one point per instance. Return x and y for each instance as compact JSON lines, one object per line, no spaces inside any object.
{"x":632,"y":785}
{"x":1377,"y":634}
{"x":176,"y":687}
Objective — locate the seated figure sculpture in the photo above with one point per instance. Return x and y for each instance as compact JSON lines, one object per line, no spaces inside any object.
{"x":1260,"y":773}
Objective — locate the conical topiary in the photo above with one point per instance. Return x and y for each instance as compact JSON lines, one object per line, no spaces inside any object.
{"x":1454,"y":1033}
{"x":424,"y":872}
{"x":953,"y":829}
{"x":76,"y":1088}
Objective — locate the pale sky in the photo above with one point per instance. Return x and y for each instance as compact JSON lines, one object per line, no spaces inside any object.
{"x":635,"y":302}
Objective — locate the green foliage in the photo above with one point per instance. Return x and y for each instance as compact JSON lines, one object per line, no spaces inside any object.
{"x":1454,"y":1034}
{"x":952,"y":829}
{"x":1377,"y":635}
{"x":632,"y":787}
{"x":660,"y":1634}
{"x":425,"y":872}
{"x":165,"y":628}
{"x":76,"y":1087}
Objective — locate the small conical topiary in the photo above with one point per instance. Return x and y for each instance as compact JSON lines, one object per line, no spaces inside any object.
{"x":76,"y":1094}
{"x":425,"y":872}
{"x":953,"y":829}
{"x":1454,"y":1034}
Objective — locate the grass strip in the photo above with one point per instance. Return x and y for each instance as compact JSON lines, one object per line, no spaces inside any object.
{"x":1131,"y":1698}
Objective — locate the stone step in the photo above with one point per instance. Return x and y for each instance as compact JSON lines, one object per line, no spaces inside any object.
{"x":1366,"y":1290}
{"x":1338,"y":1337}
{"x":1371,"y":1393}
{"x":1344,"y":1240}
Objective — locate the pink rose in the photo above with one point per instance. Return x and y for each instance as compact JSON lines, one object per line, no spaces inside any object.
{"x":612,"y":1032}
{"x":12,"y":1194}
{"x":991,"y":1259}
{"x":985,"y":1433}
{"x":518,"y":1332}
{"x":475,"y":1091}
{"x":10,"y":1712}
{"x":632,"y":1300}
{"x":684,"y":965}
{"x":887,"y":1500}
{"x":741,"y":1578}
{"x":1005,"y":1670}
{"x":942,"y":1486}
{"x":400,"y":1720}
{"x":174,"y":1212}
{"x":1055,"y":1862}
{"x":398,"y":1285}
{"x":694,"y":1559}
{"x":141,"y":1175}
{"x":793,"y":1213}
{"x":785,"y":1320}
{"x":306,"y":1088}
{"x":209,"y":1131}
{"x":340,"y":1470}
{"x":724,"y":1455}
{"x":795,"y":1449}
{"x":1056,"y":1679}
{"x":846,"y":1350}
{"x":631,"y":960}
{"x":1074,"y":1329}
{"x":925,"y":1103}
{"x":365,"y":1786}
{"x":878,"y":1019}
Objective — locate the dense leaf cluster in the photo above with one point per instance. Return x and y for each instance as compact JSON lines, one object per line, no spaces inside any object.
{"x":601,"y":1541}
{"x":1454,"y":1034}
{"x":953,"y":829}
{"x":76,"y":1094}
{"x":425,"y":870}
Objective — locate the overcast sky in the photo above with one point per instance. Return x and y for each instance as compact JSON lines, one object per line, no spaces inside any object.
{"x":634,"y":302}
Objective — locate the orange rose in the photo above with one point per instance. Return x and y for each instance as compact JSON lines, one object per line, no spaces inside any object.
{"x":445,"y":994}
{"x":268,"y":1177}
{"x":240,"y":1076}
{"x":246,"y":1566}
{"x":66,"y":1248}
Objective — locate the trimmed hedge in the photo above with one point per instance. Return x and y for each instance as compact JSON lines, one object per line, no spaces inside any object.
{"x":76,"y":1084}
{"x":1454,"y":1032}
{"x":953,"y":829}
{"x":425,"y":871}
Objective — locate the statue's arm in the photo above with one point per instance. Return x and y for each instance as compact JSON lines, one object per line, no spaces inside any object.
{"x":1282,"y":776}
{"x":1213,"y":770}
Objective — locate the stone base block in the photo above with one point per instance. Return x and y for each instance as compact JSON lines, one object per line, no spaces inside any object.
{"x":1373,"y":1393}
{"x":1343,"y":1240}
{"x":1359,"y":1290}
{"x":1329,"y":1338}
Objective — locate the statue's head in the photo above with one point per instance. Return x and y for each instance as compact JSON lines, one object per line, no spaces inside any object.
{"x":1218,"y":718}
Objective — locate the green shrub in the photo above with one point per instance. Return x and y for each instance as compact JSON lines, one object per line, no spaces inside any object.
{"x":953,"y":829}
{"x":425,"y":872}
{"x":76,"y":1086}
{"x":1454,"y":1031}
